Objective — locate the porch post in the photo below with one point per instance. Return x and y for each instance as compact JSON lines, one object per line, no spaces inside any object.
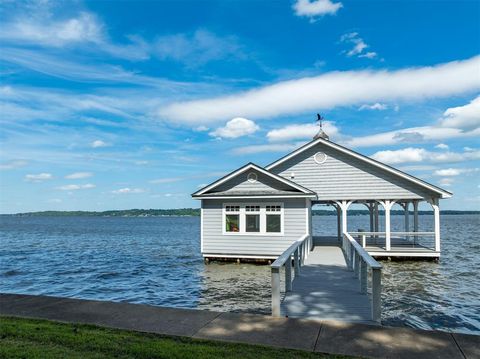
{"x":376,"y":217}
{"x":436,"y":214}
{"x":407,"y":216}
{"x":387,"y":205}
{"x":370,"y":210}
{"x":344,"y":206}
{"x":415,"y":220}
{"x":339,"y":228}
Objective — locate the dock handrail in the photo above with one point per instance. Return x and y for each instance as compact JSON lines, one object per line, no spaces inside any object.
{"x":358,"y":260}
{"x":299,"y":249}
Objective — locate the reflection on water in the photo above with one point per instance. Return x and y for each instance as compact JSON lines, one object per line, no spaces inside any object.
{"x":157,"y":261}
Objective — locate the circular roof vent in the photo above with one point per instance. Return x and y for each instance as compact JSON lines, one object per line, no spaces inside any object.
{"x":252,"y":177}
{"x":320,"y":157}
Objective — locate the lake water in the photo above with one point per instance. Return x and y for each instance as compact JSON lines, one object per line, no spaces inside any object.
{"x":156,"y":260}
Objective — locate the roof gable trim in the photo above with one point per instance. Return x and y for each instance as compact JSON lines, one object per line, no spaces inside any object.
{"x":248,"y":166}
{"x":394,"y":171}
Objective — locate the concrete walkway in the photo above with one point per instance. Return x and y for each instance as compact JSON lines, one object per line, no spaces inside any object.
{"x":318,"y":336}
{"x":327,"y":289}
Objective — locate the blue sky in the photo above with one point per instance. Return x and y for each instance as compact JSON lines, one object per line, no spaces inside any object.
{"x":135,"y":104}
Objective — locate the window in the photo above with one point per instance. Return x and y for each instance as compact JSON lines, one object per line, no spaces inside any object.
{"x":232,"y":219}
{"x":253,"y":219}
{"x":274,"y":219}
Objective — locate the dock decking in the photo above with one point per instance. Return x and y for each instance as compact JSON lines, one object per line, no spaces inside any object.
{"x":326,"y":289}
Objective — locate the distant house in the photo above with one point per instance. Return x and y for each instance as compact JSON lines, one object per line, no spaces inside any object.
{"x":258,"y":212}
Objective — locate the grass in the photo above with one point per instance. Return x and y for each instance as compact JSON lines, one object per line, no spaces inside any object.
{"x":33,"y":338}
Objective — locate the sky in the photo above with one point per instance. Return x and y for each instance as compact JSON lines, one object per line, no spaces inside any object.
{"x":136,"y":104}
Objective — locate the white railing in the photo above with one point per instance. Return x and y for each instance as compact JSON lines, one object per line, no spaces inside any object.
{"x":399,"y":239}
{"x":299,"y":250}
{"x":359,"y":261}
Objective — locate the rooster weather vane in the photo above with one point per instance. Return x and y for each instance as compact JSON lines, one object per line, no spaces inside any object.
{"x":320,"y":133}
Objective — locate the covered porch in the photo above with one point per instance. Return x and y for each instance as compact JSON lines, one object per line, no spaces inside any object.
{"x":377,"y":236}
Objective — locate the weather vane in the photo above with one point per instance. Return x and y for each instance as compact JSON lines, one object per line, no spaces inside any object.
{"x":320,"y":119}
{"x":320,"y":133}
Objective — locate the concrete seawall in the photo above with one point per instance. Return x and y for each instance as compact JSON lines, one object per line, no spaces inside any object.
{"x":310,"y":335}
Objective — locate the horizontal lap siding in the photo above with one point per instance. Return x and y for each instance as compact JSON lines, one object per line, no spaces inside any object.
{"x":344,"y":177}
{"x":214,"y":242}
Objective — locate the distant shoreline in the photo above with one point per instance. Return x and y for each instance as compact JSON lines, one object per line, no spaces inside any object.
{"x":195,"y":212}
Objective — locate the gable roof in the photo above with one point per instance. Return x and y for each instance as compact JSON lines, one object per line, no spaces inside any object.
{"x":443,"y":193}
{"x":295,"y":186}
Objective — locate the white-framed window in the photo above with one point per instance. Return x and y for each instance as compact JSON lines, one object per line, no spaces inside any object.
{"x":253,"y":219}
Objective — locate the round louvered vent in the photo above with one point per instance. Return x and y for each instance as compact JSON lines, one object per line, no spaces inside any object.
{"x":320,"y":157}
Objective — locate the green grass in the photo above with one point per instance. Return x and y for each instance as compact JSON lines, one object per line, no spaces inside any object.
{"x":32,"y":338}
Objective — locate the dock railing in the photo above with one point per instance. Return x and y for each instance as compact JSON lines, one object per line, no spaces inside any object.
{"x":359,"y":261}
{"x":299,"y":251}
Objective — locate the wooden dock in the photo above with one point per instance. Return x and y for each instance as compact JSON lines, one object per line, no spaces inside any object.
{"x":327,"y":289}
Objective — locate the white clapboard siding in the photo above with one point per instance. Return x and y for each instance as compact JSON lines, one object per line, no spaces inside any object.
{"x":345,"y":177}
{"x":214,"y":242}
{"x":264,"y":183}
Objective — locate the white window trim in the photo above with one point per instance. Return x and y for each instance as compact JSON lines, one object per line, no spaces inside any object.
{"x":263,"y":219}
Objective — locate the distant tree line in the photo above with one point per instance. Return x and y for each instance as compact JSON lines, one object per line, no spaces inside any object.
{"x":196,"y":212}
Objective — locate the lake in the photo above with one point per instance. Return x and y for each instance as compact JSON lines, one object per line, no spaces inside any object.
{"x":157,"y":261}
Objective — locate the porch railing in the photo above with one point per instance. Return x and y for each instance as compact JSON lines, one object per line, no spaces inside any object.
{"x":397,"y":239}
{"x":299,"y":251}
{"x":359,"y":261}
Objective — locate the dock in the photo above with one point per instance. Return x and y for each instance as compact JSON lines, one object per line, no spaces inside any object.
{"x":327,"y":289}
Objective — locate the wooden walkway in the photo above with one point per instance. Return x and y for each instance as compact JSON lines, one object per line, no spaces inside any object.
{"x":327,"y":290}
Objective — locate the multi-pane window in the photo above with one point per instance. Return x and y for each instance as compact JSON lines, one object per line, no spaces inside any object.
{"x":253,"y":219}
{"x":273,"y":219}
{"x":232,"y":218}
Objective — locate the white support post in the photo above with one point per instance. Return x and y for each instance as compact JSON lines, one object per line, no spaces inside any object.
{"x":370,"y":212}
{"x":275,"y":292}
{"x":407,"y":216}
{"x":344,"y":207}
{"x":296,"y":262}
{"x":376,"y":227}
{"x":387,"y":205}
{"x":415,"y":220}
{"x":363,"y":276}
{"x":339,"y":225}
{"x":436,"y":217}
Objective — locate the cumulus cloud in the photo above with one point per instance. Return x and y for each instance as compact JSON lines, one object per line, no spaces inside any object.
{"x":98,"y":144}
{"x":465,"y":117}
{"x":339,"y":88}
{"x":301,"y":131}
{"x":273,"y":147}
{"x":128,"y":190}
{"x":412,"y":155}
{"x":38,"y":177}
{"x":75,"y":187}
{"x":448,"y":172}
{"x":236,"y":127}
{"x":359,"y":45}
{"x":442,"y":146}
{"x":446,"y":182}
{"x":312,"y":8}
{"x":376,"y":106}
{"x":79,"y":175}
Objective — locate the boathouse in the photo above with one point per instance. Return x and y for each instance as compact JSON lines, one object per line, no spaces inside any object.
{"x":258,"y":212}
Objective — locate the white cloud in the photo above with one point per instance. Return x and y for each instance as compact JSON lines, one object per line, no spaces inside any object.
{"x":329,"y":90}
{"x":465,"y":117}
{"x":312,"y":8}
{"x":38,"y":177}
{"x":201,"y":128}
{"x":10,"y":165}
{"x":84,"y":28}
{"x":236,"y":127}
{"x":280,"y":147}
{"x":98,"y":143}
{"x":448,"y":172}
{"x":128,"y":190}
{"x":74,"y":187}
{"x":79,"y":175}
{"x":359,"y":45}
{"x":197,"y":49}
{"x":376,"y":106}
{"x":442,"y":146}
{"x":413,"y":155}
{"x":301,"y":131}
